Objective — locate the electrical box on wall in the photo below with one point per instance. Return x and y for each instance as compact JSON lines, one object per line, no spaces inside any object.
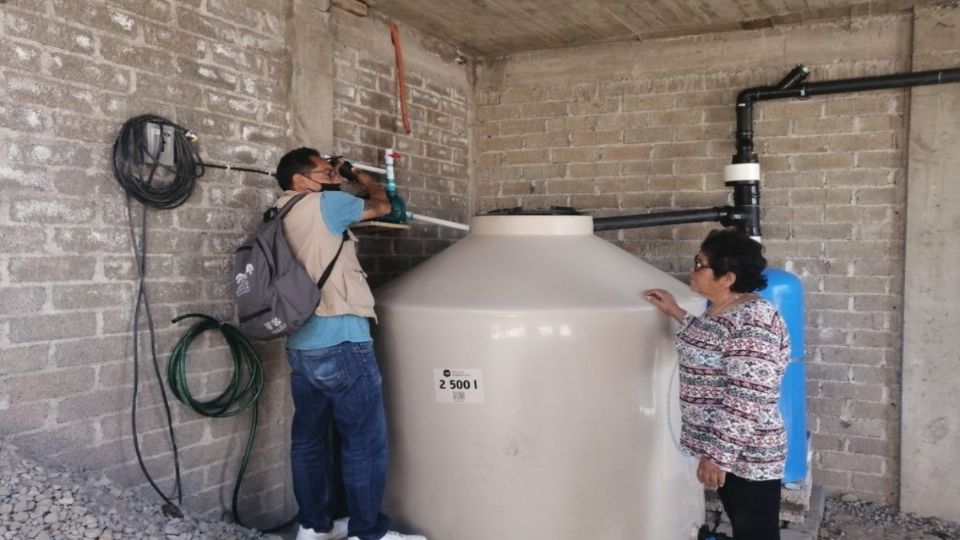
{"x":159,"y":144}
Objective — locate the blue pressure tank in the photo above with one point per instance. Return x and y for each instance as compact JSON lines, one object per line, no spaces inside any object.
{"x":785,"y":291}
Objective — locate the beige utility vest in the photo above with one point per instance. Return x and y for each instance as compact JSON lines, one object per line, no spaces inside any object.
{"x":346,"y":291}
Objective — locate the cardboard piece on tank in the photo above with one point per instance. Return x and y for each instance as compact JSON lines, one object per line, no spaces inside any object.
{"x":379,"y":226}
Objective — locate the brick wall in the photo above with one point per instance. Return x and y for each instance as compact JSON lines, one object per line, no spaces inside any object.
{"x":646,"y":127}
{"x":432,"y":172}
{"x":616,"y":129}
{"x":70,"y":74}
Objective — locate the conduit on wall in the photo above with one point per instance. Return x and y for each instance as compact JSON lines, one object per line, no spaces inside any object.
{"x":401,"y":83}
{"x":787,"y":88}
{"x":743,"y":174}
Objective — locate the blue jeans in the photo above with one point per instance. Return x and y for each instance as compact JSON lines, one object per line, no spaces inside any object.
{"x":339,"y":384}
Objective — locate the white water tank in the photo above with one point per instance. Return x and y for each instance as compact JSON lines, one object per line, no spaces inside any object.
{"x":531,"y":390}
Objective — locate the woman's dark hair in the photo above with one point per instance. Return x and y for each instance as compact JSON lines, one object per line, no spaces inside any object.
{"x":729,"y":250}
{"x":294,"y":162}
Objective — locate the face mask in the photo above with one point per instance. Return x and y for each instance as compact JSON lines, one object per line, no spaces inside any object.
{"x":324,"y":187}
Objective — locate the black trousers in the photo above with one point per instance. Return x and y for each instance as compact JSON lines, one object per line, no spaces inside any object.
{"x":753,"y":507}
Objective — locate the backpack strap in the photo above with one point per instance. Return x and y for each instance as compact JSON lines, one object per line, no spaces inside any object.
{"x":329,"y":268}
{"x":273,"y":211}
{"x":283,"y":211}
{"x":289,"y":204}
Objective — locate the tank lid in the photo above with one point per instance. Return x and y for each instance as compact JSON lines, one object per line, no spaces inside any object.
{"x":531,"y":225}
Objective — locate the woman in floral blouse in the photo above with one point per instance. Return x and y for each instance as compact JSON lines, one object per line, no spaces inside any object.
{"x":732,"y":360}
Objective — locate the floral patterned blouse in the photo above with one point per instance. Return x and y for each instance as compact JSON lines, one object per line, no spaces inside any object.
{"x":731,"y":366}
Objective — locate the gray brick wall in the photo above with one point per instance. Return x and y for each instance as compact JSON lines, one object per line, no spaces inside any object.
{"x":70,"y":74}
{"x":635,"y":128}
{"x":616,"y":129}
{"x":432,"y":174}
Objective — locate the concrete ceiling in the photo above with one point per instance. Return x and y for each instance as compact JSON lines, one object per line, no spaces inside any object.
{"x":490,"y":28}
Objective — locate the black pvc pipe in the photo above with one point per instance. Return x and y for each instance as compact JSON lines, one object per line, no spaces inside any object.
{"x":659,"y":218}
{"x":745,"y":215}
{"x":796,"y":75}
{"x":882,"y":82}
{"x":745,"y":212}
{"x":788,"y":88}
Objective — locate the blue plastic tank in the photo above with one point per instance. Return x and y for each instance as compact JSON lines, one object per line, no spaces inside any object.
{"x":785,"y":291}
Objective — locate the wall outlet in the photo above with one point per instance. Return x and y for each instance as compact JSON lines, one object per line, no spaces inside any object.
{"x":159,"y":144}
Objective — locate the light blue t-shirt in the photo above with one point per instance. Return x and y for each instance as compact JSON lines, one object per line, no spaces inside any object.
{"x":338,"y":210}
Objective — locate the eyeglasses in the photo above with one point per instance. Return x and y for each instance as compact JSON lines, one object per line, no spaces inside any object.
{"x":329,"y":173}
{"x":698,"y":264}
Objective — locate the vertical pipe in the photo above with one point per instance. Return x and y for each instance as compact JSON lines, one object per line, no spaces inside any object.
{"x":745,"y":153}
{"x":746,"y":203}
{"x":388,"y":157}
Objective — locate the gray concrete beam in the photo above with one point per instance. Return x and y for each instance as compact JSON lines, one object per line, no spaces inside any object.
{"x":311,"y":87}
{"x":930,"y":436}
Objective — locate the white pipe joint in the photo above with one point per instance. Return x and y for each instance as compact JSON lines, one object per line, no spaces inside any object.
{"x":741,"y":172}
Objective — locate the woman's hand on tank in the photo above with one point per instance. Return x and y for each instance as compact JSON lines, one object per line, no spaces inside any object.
{"x":665,"y":302}
{"x":710,"y":474}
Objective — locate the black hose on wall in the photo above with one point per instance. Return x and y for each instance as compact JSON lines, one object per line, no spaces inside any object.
{"x":136,"y":170}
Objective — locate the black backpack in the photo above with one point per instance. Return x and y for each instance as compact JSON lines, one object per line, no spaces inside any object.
{"x":275,"y":295}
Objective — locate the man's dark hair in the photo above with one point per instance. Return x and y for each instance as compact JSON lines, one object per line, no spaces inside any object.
{"x":729,"y":250}
{"x":294,"y":162}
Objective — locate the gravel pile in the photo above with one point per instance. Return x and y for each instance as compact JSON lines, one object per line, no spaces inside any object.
{"x":852,"y":519}
{"x":37,"y":503}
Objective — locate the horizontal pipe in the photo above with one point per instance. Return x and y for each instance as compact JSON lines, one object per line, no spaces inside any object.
{"x":788,"y":88}
{"x":370,"y":168}
{"x":882,"y":82}
{"x":438,"y":221}
{"x":658,"y":218}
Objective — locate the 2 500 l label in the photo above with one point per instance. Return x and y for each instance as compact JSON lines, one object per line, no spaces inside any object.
{"x":458,"y":385}
{"x":454,"y":384}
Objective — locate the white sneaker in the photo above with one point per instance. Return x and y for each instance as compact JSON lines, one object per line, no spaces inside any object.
{"x":338,"y":532}
{"x":392,"y":535}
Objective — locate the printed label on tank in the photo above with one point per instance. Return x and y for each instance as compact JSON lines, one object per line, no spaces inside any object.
{"x":458,"y":385}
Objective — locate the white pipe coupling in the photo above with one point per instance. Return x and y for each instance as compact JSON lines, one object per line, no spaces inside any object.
{"x":739,"y":172}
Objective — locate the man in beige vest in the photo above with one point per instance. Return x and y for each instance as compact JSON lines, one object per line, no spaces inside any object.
{"x":335,"y":378}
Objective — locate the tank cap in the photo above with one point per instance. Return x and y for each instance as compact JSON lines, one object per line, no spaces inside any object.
{"x":531,"y":225}
{"x":521,"y":211}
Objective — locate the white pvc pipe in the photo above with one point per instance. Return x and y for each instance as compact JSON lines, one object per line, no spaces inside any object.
{"x":371,"y":168}
{"x":438,"y":221}
{"x":388,"y":156}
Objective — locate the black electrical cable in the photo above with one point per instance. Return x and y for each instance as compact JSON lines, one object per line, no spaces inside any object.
{"x":232,"y":168}
{"x":135,"y":167}
{"x":169,"y":507}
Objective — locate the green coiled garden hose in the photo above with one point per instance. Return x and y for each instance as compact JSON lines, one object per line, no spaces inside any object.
{"x":242,"y":392}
